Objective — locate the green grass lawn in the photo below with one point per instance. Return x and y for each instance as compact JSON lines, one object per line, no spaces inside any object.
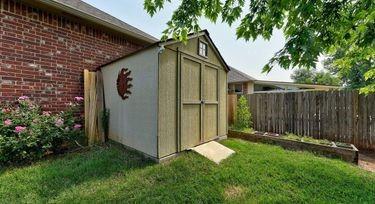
{"x":256,"y":173}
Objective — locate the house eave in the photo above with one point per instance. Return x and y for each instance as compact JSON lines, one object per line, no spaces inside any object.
{"x":77,"y":12}
{"x":275,"y":83}
{"x":236,"y":82}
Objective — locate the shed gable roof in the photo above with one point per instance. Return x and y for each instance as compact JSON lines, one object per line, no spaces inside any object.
{"x":172,"y":41}
{"x":210,"y":41}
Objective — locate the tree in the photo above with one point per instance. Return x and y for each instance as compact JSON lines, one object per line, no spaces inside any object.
{"x":243,"y":115}
{"x":326,"y":78}
{"x":311,"y":76}
{"x":353,"y":77}
{"x":303,"y":76}
{"x":311,"y":27}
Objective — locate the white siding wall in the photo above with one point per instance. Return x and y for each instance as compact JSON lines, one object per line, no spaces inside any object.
{"x":133,"y":122}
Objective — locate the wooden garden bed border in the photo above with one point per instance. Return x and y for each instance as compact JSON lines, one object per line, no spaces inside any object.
{"x":348,"y":155}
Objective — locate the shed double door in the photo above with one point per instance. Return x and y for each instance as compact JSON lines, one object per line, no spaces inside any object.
{"x":199,"y":102}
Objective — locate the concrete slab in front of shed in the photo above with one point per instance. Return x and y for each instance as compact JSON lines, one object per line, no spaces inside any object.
{"x":213,"y":151}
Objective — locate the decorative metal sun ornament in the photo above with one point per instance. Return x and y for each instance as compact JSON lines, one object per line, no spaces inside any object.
{"x":124,"y":83}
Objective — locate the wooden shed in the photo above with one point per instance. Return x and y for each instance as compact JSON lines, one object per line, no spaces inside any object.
{"x":168,"y":97}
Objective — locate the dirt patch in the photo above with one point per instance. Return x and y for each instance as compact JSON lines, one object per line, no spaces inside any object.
{"x":232,"y":192}
{"x":367,"y":161}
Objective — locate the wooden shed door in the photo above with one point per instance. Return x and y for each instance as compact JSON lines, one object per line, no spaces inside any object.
{"x":210,"y":102}
{"x":199,"y":103}
{"x":191,"y":107}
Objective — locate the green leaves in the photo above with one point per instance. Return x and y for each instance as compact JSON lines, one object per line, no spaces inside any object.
{"x":27,"y":134}
{"x":212,"y":9}
{"x":243,"y":115}
{"x":232,"y":10}
{"x":370,"y":74}
{"x":311,"y":28}
{"x":311,"y":76}
{"x":184,"y":19}
{"x":368,"y":89}
{"x":152,"y":6}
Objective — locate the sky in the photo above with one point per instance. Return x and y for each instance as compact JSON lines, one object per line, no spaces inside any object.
{"x":249,"y":57}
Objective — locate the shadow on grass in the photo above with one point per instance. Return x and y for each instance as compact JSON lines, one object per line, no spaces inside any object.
{"x":48,"y":178}
{"x":255,"y":173}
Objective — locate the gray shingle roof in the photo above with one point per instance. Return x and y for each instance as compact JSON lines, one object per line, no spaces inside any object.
{"x":235,"y":75}
{"x":171,"y":40}
{"x":87,"y":9}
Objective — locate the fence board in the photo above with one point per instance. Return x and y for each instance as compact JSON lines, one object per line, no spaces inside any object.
{"x":344,"y":116}
{"x":93,"y":96}
{"x":232,"y":104}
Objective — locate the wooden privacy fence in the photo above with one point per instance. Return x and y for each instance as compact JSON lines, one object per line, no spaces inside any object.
{"x":232,"y":104}
{"x":344,"y":116}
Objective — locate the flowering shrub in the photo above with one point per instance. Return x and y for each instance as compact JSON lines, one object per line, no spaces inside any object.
{"x":27,"y":133}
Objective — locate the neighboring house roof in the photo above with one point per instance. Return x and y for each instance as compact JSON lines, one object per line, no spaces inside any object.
{"x":86,"y":11}
{"x":235,"y":75}
{"x":171,"y":41}
{"x":283,"y":83}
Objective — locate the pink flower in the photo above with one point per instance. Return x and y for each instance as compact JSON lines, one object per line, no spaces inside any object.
{"x":5,"y":110}
{"x":47,"y":113}
{"x":19,"y":129}
{"x":78,"y":98}
{"x":23,"y":98}
{"x":7,"y":122}
{"x":77,"y":126}
{"x":59,"y":122}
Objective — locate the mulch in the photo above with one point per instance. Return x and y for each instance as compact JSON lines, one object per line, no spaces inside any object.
{"x":367,"y":160}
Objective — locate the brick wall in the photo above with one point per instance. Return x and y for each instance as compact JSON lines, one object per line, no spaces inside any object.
{"x":43,"y":54}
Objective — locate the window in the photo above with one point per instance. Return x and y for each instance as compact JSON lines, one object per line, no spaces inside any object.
{"x":231,"y":88}
{"x":238,"y":88}
{"x":202,"y":49}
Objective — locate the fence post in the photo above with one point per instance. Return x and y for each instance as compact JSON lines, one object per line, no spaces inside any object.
{"x":86,"y":84}
{"x":232,"y":105}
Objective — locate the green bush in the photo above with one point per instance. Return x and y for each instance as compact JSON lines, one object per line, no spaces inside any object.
{"x":243,"y":116}
{"x":28,"y":134}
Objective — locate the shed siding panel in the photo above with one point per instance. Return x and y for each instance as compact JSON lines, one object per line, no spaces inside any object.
{"x":210,"y":122}
{"x":191,"y":86}
{"x":167,"y":103}
{"x":210,"y":84}
{"x":190,"y":126}
{"x":191,"y":48}
{"x":133,"y":122}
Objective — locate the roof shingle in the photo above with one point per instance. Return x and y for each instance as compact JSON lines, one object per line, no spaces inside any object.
{"x":87,"y":9}
{"x":235,"y":75}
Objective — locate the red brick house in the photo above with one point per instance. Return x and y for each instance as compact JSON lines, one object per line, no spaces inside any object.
{"x":46,"y":44}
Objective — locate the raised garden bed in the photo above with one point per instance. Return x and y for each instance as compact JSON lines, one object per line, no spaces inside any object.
{"x":346,"y":152}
